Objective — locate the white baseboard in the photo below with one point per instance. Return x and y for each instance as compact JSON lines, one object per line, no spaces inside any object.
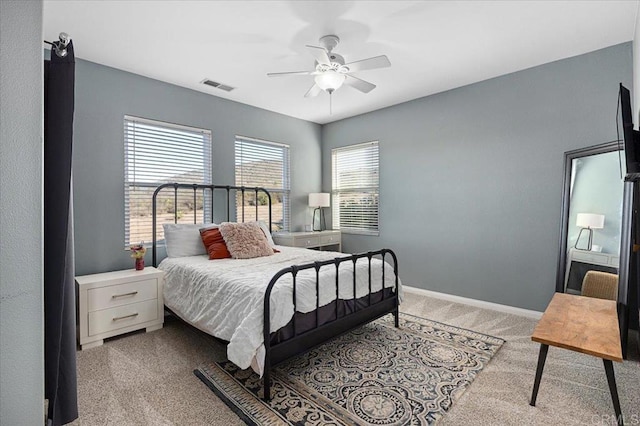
{"x":473,"y":302}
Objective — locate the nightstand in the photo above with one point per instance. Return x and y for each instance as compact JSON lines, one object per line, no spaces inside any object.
{"x":113,"y":303}
{"x":322,"y":240}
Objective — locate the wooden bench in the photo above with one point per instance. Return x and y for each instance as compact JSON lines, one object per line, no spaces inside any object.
{"x":581,"y":324}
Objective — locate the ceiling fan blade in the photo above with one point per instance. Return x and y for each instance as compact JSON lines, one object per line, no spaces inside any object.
{"x":358,"y":83}
{"x":281,"y":74}
{"x":319,"y":53}
{"x":314,"y":91}
{"x":368,"y":64}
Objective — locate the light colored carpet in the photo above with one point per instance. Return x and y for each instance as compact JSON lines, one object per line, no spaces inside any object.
{"x":147,"y":379}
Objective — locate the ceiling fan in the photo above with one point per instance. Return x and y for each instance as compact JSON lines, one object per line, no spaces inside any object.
{"x":331,"y":71}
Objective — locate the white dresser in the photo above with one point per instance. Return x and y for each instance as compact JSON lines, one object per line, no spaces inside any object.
{"x":118,"y":302}
{"x":322,"y":240}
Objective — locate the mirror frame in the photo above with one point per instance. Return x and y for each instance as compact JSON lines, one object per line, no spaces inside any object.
{"x":625,"y":229}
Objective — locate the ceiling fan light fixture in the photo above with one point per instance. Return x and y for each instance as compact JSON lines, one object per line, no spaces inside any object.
{"x":331,"y":72}
{"x":330,"y":80}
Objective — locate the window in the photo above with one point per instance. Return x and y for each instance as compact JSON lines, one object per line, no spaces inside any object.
{"x":355,"y":188}
{"x":157,"y":153}
{"x":266,"y":165}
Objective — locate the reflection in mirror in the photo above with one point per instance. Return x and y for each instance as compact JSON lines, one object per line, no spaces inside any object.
{"x":595,"y":215}
{"x":596,"y":189}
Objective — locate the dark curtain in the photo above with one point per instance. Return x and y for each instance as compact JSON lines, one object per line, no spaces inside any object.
{"x":59,"y":285}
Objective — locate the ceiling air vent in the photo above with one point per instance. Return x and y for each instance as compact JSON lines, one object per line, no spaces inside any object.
{"x":217,"y":85}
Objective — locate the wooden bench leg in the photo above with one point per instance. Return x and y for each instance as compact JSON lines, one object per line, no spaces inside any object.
{"x":542,"y":356}
{"x":611,"y":378}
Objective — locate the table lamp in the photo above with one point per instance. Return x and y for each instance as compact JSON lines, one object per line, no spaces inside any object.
{"x":588,"y":222}
{"x":319,"y":200}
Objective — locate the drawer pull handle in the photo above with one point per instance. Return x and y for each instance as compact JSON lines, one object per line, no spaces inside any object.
{"x":133,"y":293}
{"x":125,"y":317}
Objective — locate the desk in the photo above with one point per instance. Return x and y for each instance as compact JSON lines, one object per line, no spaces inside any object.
{"x":581,"y":324}
{"x":581,"y":261}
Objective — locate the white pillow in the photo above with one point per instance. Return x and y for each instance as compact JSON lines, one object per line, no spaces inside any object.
{"x":183,"y":239}
{"x":265,"y":229}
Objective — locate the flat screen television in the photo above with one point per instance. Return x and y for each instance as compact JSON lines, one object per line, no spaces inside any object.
{"x":631,"y":137}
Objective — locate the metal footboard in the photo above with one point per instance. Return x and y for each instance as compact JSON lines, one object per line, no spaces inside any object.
{"x":306,"y":340}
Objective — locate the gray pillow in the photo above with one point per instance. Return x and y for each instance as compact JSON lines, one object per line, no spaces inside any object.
{"x":265,"y":229}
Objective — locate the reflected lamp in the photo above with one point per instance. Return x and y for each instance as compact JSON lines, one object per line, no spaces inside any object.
{"x":588,"y":222}
{"x":319,"y":200}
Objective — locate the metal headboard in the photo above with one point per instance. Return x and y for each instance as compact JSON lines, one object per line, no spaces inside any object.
{"x":195,"y":188}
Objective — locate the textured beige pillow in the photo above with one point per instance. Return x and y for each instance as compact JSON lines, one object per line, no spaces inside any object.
{"x":245,"y":240}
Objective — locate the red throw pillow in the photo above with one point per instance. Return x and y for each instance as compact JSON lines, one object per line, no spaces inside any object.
{"x":214,"y":243}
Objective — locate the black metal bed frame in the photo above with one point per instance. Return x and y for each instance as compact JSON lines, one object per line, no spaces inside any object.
{"x":301,"y":342}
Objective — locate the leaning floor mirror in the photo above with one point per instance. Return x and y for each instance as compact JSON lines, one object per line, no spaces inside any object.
{"x":596,"y":220}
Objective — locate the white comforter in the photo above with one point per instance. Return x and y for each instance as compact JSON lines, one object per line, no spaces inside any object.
{"x":225,"y":297}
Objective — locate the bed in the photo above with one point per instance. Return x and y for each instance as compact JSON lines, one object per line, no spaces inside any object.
{"x":274,"y":307}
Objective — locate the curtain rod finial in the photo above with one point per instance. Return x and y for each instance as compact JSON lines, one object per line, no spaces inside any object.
{"x":64,"y":39}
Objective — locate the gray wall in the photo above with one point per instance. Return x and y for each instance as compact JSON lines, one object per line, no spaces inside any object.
{"x":104,"y":95}
{"x":597,"y":189}
{"x":21,"y":300}
{"x":471,"y":179}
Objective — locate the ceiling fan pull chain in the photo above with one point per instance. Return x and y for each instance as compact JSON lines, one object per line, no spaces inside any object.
{"x":330,"y":103}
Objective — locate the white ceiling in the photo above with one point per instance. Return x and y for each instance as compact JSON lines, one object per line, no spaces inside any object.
{"x":433,"y":46}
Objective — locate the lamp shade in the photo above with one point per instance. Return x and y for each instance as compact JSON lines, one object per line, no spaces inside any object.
{"x":319,"y":199}
{"x":590,"y":220}
{"x":330,"y":80}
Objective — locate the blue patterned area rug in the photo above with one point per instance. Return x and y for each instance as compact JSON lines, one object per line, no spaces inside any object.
{"x":374,"y":375}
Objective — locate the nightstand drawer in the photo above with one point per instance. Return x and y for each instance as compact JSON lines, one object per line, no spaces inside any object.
{"x":122,"y":294}
{"x":307,"y":242}
{"x":329,"y":239}
{"x":122,"y":316}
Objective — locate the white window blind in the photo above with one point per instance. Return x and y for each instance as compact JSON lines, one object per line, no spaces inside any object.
{"x":266,"y":165}
{"x":355,"y":188}
{"x":157,"y":153}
